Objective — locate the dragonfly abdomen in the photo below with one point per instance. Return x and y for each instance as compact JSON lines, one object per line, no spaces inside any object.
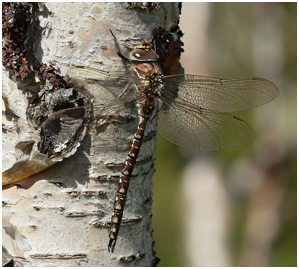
{"x":145,"y":110}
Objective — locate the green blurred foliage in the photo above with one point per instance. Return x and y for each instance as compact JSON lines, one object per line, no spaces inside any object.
{"x":166,"y":190}
{"x":290,"y":41}
{"x":285,"y":246}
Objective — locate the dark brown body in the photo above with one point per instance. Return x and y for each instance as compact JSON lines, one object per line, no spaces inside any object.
{"x":145,"y":107}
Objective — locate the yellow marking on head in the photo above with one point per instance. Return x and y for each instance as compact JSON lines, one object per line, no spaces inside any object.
{"x":145,"y":47}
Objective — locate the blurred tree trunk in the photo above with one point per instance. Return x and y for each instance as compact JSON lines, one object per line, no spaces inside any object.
{"x":59,"y":216}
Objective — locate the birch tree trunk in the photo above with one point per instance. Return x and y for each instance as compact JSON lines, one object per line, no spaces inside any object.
{"x":59,"y":216}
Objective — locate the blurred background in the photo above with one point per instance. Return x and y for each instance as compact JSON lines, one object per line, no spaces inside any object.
{"x":235,"y":207}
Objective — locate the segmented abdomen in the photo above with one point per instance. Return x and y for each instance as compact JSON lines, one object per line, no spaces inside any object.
{"x":145,"y":109}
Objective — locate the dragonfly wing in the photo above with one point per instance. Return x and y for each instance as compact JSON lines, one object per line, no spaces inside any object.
{"x":62,"y":132}
{"x":202,"y":129}
{"x":64,"y":129}
{"x":89,"y":73}
{"x":222,"y":95}
{"x":104,"y":86}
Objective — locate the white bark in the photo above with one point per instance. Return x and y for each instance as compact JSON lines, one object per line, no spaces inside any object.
{"x":52,"y":218}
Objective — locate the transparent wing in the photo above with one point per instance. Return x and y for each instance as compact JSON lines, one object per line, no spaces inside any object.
{"x":202,"y":129}
{"x":100,"y":109}
{"x":222,"y":95}
{"x":106,"y":87}
{"x":62,"y":131}
{"x":112,"y":96}
{"x":93,"y":75}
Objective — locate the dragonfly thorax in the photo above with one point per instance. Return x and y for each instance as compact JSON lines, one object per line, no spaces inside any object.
{"x":156,"y":84}
{"x":150,"y":78}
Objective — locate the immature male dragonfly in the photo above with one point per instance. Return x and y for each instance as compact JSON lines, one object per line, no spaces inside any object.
{"x":194,"y":110}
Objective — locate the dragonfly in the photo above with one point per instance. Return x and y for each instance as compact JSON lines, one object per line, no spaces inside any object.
{"x":194,"y":110}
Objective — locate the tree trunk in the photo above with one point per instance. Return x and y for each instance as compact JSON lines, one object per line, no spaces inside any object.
{"x":59,"y":216}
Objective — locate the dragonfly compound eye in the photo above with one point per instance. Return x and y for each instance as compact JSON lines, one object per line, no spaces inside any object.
{"x":143,"y":55}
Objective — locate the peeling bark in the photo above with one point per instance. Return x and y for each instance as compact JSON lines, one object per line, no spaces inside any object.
{"x":60,"y":216}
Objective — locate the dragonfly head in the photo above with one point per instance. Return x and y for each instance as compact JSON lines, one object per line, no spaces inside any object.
{"x":143,"y":53}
